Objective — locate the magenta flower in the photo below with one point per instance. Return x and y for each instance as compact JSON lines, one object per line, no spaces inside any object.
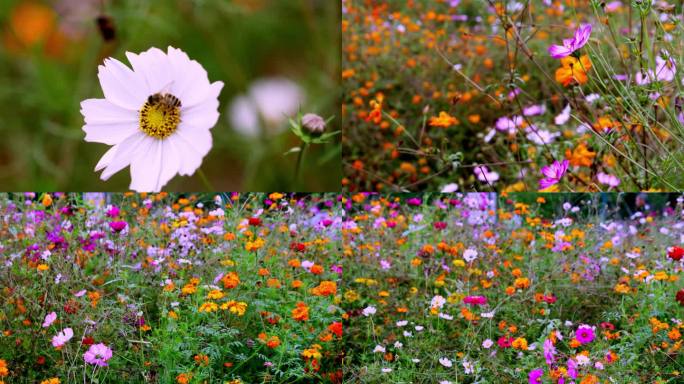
{"x":49,"y":319}
{"x":475,"y":300}
{"x":62,"y":337}
{"x":571,"y":45}
{"x":98,"y":354}
{"x":118,"y":226}
{"x":585,"y":334}
{"x":535,"y":376}
{"x":553,"y":173}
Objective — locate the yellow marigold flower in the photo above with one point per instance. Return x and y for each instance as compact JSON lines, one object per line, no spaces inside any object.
{"x":215,"y":294}
{"x":209,"y":306}
{"x":52,"y":380}
{"x":43,"y":267}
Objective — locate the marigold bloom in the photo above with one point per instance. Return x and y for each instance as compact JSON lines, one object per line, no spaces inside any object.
{"x":573,"y":70}
{"x":325,"y":288}
{"x":301,"y":312}
{"x":230,"y":280}
{"x":444,"y":120}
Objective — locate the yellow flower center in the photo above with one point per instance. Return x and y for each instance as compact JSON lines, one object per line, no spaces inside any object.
{"x":160,"y":115}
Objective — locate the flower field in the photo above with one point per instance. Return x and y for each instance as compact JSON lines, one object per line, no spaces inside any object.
{"x":525,"y":288}
{"x":487,"y":95}
{"x":164,"y":288}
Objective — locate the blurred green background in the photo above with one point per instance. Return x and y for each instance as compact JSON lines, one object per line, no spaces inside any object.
{"x":50,"y":51}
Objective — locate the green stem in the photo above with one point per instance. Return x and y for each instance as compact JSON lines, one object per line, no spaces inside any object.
{"x":205,"y":181}
{"x":300,"y":160}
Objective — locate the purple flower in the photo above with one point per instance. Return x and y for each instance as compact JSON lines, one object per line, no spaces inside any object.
{"x":535,"y":376}
{"x":98,"y":354}
{"x":571,"y":45}
{"x":549,"y":351}
{"x":553,"y":173}
{"x":585,"y":334}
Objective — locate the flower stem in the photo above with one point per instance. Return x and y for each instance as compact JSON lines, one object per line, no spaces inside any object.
{"x":300,"y":160}
{"x":205,"y":181}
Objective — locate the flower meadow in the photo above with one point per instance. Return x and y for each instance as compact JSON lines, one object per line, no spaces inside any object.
{"x":169,"y":288}
{"x":512,"y":96}
{"x":520,"y":288}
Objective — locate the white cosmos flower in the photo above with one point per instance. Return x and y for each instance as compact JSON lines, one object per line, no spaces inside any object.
{"x":268,"y":100}
{"x":156,"y":117}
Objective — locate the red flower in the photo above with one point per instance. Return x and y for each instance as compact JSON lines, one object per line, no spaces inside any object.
{"x":336,"y":328}
{"x":88,"y":341}
{"x":254,"y":221}
{"x":298,"y":247}
{"x":680,"y":296}
{"x":675,"y":253}
{"x":439,"y":225}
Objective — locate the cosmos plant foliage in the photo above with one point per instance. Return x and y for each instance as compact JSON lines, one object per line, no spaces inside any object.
{"x":524,"y":288}
{"x":494,"y":95}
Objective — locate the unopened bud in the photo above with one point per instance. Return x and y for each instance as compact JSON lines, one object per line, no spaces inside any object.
{"x":313,"y":123}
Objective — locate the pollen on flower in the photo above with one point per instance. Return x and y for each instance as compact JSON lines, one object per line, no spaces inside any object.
{"x":160,"y":115}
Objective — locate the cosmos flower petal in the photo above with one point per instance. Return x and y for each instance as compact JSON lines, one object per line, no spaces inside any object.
{"x":153,"y":65}
{"x":559,"y":51}
{"x":146,"y":169}
{"x":120,"y":85}
{"x":127,"y":150}
{"x":192,"y":84}
{"x":110,"y":134}
{"x":106,"y":158}
{"x":101,"y":111}
{"x":194,"y":144}
{"x":204,"y":115}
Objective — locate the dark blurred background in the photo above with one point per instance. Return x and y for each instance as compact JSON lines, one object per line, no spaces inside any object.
{"x":274,"y":56}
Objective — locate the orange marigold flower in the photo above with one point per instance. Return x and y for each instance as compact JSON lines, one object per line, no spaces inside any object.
{"x":444,"y":120}
{"x":573,"y":70}
{"x":325,"y":288}
{"x":230,"y":280}
{"x":581,"y":156}
{"x":301,"y":312}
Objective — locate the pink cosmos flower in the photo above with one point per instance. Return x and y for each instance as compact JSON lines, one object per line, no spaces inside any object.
{"x":49,"y":319}
{"x":62,"y":337}
{"x":553,"y":173}
{"x":571,"y":45}
{"x":585,"y":334}
{"x":98,"y":354}
{"x":606,"y":179}
{"x":485,"y":175}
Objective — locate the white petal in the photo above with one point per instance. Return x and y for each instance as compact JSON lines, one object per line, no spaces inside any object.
{"x":106,"y":158}
{"x":171,"y":162}
{"x":204,"y":115}
{"x":153,"y":65}
{"x":126,"y":152}
{"x":120,"y":85}
{"x":96,"y":111}
{"x":193,"y":144}
{"x":191,"y":82}
{"x":111,"y":134}
{"x":146,"y":168}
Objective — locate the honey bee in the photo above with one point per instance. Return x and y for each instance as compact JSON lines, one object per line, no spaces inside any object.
{"x":165,"y":99}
